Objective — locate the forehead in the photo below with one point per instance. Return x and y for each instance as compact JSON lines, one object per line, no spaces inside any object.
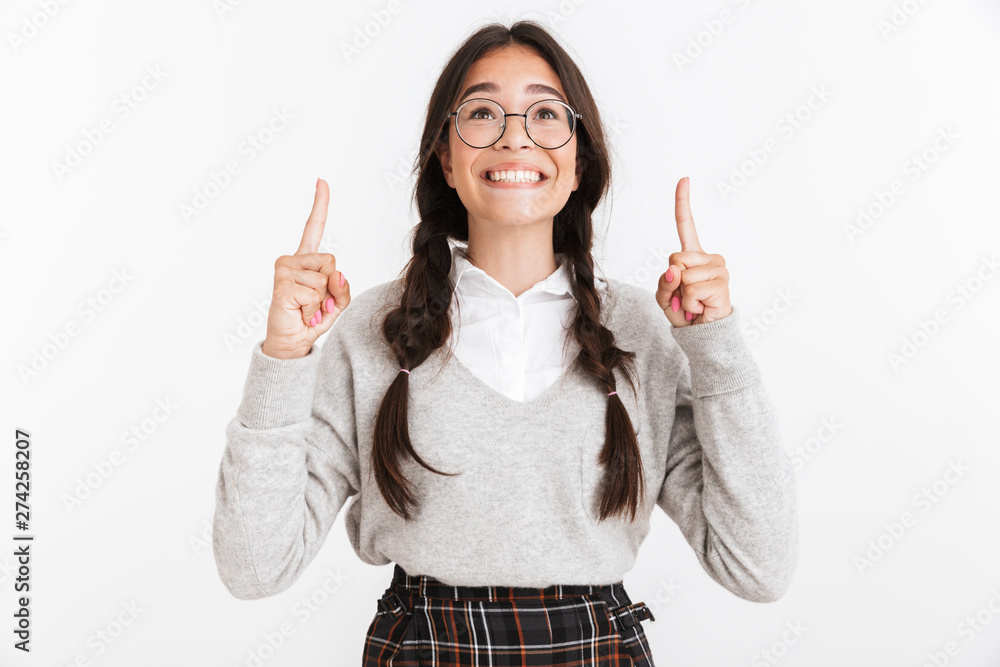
{"x":512,"y":68}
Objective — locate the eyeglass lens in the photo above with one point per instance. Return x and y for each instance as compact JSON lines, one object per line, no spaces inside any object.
{"x":549,"y":123}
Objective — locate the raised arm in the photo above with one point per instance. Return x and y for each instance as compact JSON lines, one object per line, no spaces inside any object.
{"x":728,"y":483}
{"x":291,"y":457}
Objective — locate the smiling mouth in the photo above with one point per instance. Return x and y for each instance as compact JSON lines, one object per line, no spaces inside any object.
{"x":514,"y":176}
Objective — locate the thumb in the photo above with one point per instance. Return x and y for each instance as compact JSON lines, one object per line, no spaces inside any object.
{"x":340,"y":294}
{"x":668,"y":296}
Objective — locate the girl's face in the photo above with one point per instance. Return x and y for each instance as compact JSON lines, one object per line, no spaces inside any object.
{"x":514,"y":77}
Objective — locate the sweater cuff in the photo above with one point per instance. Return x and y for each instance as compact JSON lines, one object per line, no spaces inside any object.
{"x":719,"y":355}
{"x":278,"y":392}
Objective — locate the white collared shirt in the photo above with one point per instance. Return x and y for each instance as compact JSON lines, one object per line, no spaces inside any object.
{"x":513,"y":344}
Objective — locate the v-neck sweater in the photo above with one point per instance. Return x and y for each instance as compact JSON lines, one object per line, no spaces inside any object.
{"x":524,"y":509}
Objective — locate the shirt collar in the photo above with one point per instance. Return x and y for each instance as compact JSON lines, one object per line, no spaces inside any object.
{"x":558,"y":282}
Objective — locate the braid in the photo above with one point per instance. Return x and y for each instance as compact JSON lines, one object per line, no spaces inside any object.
{"x":599,"y":356}
{"x":414,"y":329}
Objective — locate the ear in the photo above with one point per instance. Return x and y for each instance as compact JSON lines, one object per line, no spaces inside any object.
{"x":444,"y":156}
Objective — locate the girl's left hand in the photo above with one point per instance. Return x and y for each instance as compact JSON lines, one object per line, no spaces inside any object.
{"x":695,"y":288}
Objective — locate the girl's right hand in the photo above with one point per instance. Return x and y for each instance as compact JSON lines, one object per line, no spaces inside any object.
{"x":309,"y":292}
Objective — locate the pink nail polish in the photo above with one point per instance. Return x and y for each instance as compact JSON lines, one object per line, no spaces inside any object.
{"x":329,"y":305}
{"x":670,"y":275}
{"x":315,"y":319}
{"x":341,"y":278}
{"x":689,"y":316}
{"x":675,"y":303}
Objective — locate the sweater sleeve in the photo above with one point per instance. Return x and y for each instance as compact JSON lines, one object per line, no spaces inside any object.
{"x":289,"y":465}
{"x":729,"y":485}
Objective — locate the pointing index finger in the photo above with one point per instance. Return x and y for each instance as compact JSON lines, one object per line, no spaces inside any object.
{"x":685,"y":223}
{"x":313,"y":233}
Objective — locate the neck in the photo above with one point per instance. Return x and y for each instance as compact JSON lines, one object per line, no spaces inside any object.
{"x":517,"y":258}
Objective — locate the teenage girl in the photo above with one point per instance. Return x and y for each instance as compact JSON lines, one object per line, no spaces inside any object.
{"x":475,"y":408}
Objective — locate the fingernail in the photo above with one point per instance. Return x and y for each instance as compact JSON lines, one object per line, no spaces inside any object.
{"x":341,"y":278}
{"x":670,"y":275}
{"x":689,"y":316}
{"x":329,"y":305}
{"x":675,"y":303}
{"x":316,"y":318}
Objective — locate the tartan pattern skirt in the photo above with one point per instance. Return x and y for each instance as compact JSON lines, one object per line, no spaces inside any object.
{"x":421,"y":621}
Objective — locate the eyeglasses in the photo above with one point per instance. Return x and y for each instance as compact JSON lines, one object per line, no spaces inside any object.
{"x":480,"y":122}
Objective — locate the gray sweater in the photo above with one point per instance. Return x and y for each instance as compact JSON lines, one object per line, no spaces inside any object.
{"x":523,"y":511}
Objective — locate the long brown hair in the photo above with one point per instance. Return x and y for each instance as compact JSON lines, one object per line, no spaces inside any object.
{"x":420,"y":323}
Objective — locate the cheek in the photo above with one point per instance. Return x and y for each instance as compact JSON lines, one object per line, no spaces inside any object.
{"x":566,"y":163}
{"x":567,"y":171}
{"x":464,"y":163}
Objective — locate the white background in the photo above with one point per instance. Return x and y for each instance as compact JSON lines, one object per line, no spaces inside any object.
{"x":831,"y":307}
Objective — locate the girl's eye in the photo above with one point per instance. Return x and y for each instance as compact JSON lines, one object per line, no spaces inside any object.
{"x":547,"y":113}
{"x":475,"y":114}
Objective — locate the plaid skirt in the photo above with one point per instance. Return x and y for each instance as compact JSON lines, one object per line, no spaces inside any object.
{"x":421,"y":621}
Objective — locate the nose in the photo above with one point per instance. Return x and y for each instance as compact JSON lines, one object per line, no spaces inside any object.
{"x":514,"y":135}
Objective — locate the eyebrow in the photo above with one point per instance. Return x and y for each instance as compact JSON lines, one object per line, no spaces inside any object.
{"x":530,"y":89}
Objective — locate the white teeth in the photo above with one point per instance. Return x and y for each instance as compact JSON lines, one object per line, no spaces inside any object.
{"x":518,"y":176}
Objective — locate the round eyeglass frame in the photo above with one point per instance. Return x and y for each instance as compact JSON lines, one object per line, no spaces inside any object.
{"x":503,"y":128}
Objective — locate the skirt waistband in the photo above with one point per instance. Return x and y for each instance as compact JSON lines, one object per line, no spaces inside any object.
{"x":398,"y":597}
{"x":427,"y":586}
